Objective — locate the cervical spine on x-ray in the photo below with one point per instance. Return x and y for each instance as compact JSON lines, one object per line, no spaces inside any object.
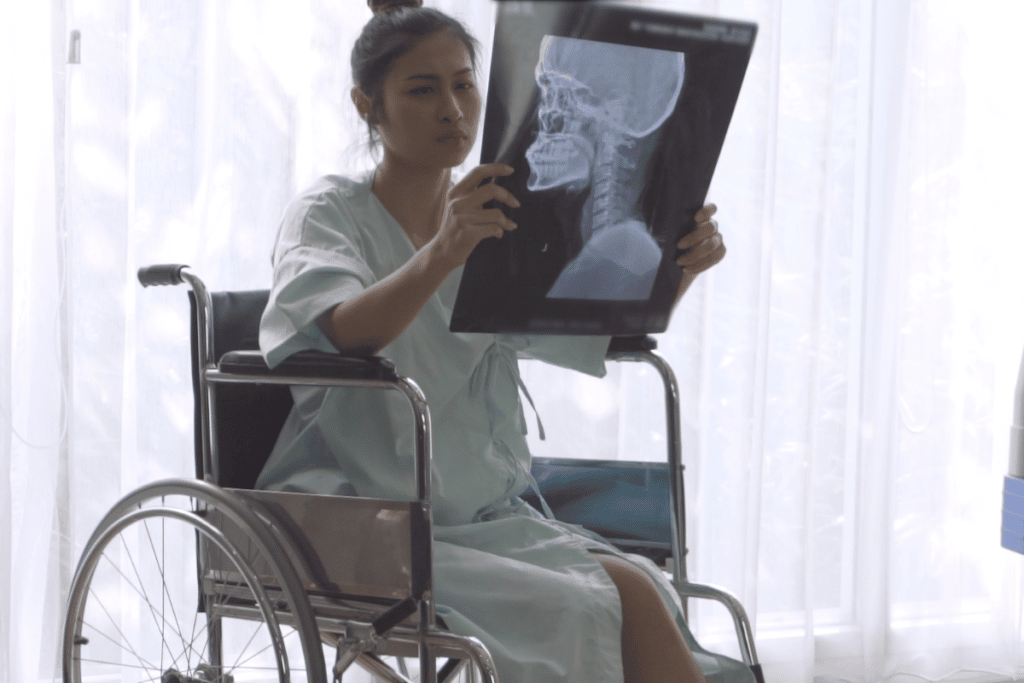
{"x":597,"y":101}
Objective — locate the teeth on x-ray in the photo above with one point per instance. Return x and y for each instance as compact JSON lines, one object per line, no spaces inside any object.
{"x":563,"y":153}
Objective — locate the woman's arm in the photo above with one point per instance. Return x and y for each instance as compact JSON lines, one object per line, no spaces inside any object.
{"x":370,"y":321}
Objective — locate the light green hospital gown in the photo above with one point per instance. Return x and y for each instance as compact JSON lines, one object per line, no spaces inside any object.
{"x":524,"y":585}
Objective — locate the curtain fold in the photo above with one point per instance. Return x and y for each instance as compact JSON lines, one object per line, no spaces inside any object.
{"x":34,"y":404}
{"x":847,"y":372}
{"x":6,"y":308}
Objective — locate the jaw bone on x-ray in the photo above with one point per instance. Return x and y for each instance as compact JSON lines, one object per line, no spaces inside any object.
{"x":600,"y":102}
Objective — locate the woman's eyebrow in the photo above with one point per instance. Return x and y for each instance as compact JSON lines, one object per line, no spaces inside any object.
{"x":433,"y":77}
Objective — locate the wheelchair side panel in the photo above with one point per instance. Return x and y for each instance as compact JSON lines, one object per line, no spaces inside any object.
{"x":340,"y":546}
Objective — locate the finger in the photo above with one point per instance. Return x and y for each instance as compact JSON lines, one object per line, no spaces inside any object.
{"x":474,"y":216}
{"x":481,"y":201}
{"x":493,"y":217}
{"x":477,"y":176}
{"x":485,"y":230}
{"x":699,"y":251}
{"x":489,"y":191}
{"x":703,"y":231}
{"x":703,"y":256}
{"x":706,"y":212}
{"x":705,"y":264}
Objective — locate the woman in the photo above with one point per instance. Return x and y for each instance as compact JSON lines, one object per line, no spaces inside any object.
{"x":371,"y":265}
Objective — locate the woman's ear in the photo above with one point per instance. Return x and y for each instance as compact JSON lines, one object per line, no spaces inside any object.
{"x":362,"y":102}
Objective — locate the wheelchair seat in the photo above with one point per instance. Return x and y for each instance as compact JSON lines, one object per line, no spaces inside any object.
{"x":354,"y":573}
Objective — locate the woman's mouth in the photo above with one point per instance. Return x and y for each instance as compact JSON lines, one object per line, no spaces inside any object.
{"x":451,"y":137}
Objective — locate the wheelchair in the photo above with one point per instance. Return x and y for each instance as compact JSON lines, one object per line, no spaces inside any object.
{"x":208,"y":580}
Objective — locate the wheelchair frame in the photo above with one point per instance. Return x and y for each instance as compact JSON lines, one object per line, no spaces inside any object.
{"x":282,"y":586}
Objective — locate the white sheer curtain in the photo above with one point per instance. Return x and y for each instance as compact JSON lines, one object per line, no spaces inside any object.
{"x":847,"y":372}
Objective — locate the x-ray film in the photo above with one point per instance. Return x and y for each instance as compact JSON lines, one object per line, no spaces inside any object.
{"x":613,"y":118}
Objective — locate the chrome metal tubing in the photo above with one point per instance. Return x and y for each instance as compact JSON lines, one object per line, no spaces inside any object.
{"x":373,"y":664}
{"x":476,"y":651}
{"x":424,"y":464}
{"x":462,"y":664}
{"x":215,"y":376}
{"x":407,"y":638}
{"x":677,"y":499}
{"x":428,"y":670}
{"x":739,"y":615}
{"x":347,"y":654}
{"x":204,"y":334}
{"x":424,"y":455}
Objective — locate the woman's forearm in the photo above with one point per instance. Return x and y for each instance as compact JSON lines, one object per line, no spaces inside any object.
{"x":373,"y":319}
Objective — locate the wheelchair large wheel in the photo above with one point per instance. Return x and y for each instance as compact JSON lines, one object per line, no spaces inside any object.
{"x":183,"y":582}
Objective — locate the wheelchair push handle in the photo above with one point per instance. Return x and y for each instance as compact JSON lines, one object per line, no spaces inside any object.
{"x":161,"y":274}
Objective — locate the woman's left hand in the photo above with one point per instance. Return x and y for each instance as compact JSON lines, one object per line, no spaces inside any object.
{"x":701,"y":249}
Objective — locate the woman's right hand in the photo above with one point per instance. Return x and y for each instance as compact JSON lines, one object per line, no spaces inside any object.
{"x":466,"y":222}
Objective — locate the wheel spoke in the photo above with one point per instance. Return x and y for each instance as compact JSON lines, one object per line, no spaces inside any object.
{"x":140,"y":591}
{"x":130,"y":649}
{"x":145,"y":596}
{"x":125,"y":666}
{"x":247,"y":644}
{"x":120,"y":588}
{"x":195,"y":635}
{"x":120,"y":664}
{"x":166,"y":596}
{"x":241,"y":665}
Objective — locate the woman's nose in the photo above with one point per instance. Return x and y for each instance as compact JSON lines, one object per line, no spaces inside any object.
{"x":450,"y":109}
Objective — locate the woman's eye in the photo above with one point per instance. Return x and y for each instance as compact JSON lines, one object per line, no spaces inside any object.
{"x":428,"y":89}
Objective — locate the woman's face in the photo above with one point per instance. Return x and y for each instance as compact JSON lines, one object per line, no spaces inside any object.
{"x":431,"y":106}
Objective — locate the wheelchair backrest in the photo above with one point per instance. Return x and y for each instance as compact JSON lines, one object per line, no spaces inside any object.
{"x":248,"y":417}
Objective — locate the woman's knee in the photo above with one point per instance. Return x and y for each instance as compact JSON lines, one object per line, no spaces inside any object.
{"x":637,"y":591}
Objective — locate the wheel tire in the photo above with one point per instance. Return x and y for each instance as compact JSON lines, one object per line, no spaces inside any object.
{"x":137,"y":612}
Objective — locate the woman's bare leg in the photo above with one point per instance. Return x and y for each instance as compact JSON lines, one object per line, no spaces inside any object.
{"x":653,"y":649}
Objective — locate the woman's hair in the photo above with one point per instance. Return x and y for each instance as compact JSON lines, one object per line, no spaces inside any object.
{"x":391,"y":33}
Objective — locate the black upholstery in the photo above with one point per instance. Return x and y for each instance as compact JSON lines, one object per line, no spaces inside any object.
{"x":248,"y":417}
{"x":311,"y":364}
{"x":635,"y":343}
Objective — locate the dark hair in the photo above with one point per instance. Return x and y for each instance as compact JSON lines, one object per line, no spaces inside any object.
{"x":388,"y":36}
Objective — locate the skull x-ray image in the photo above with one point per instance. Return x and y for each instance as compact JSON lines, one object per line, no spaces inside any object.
{"x":599,"y":103}
{"x":613,"y":118}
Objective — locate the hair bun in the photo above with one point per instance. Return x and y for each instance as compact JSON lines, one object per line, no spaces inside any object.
{"x":385,"y":6}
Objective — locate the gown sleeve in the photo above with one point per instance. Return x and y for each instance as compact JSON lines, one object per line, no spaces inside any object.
{"x":318,"y":263}
{"x":583,"y":353}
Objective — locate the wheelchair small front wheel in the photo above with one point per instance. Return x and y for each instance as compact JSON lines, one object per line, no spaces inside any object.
{"x":172,"y":588}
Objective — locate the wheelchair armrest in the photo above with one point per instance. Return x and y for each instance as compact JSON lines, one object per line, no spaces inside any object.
{"x":744,"y":633}
{"x":633,"y":344}
{"x":310,"y":364}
